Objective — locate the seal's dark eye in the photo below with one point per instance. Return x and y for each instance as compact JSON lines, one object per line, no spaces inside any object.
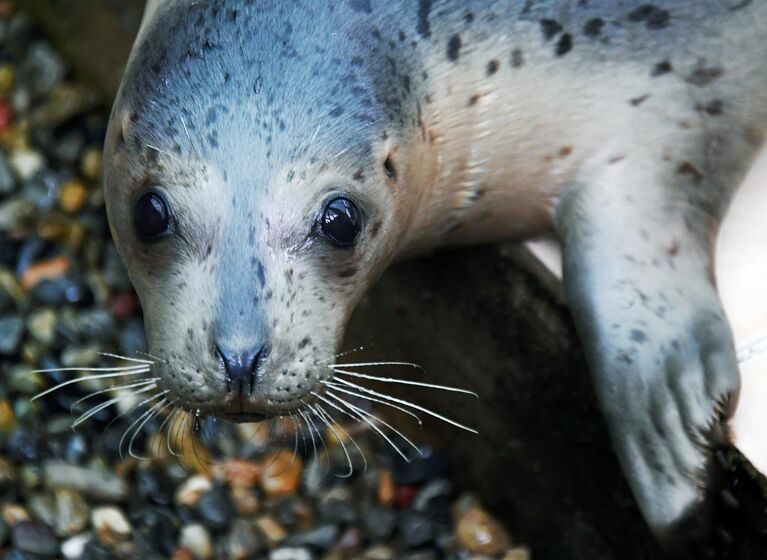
{"x":151,"y":216}
{"x":341,"y":222}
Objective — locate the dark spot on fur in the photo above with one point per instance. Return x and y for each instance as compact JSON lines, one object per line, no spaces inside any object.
{"x":638,"y":336}
{"x":663,"y":67}
{"x":637,"y":101}
{"x":474,"y":99}
{"x":593,"y":27}
{"x":517,"y":58}
{"x":454,"y":48}
{"x":375,"y":229}
{"x":492,"y":67}
{"x":336,"y":112}
{"x":652,"y":16}
{"x":702,"y":76}
{"x":304,"y":343}
{"x":673,"y":249}
{"x":564,"y":45}
{"x":359,"y":175}
{"x":715,"y":107}
{"x":615,"y":159}
{"x":362,"y":6}
{"x":468,"y":17}
{"x":550,"y":28}
{"x":422,"y":27}
{"x":688,"y":169}
{"x":565,"y":151}
{"x":347,"y":272}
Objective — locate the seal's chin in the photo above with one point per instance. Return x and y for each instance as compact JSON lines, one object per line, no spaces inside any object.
{"x":241,"y":417}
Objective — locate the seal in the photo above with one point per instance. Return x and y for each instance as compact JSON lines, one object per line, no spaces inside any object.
{"x":266,"y":161}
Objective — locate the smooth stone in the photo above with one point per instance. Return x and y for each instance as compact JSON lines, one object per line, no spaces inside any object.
{"x":380,"y":552}
{"x":96,"y":325}
{"x":94,"y":550}
{"x":518,"y":553}
{"x":24,"y":445}
{"x":42,"y":68}
{"x":34,"y":538}
{"x":337,"y":505}
{"x":323,"y":537}
{"x":11,"y":333}
{"x":214,"y":509}
{"x":153,"y":485}
{"x":132,"y":337}
{"x":196,"y":539}
{"x":379,"y":522}
{"x":74,"y":547}
{"x":282,"y":473}
{"x":350,"y":543}
{"x":245,"y":500}
{"x":7,"y":181}
{"x":42,"y":325}
{"x":291,"y":554}
{"x":477,"y":530}
{"x":26,"y":163}
{"x":72,"y":513}
{"x":189,"y":492}
{"x":242,"y":541}
{"x":22,"y":380}
{"x":271,"y":529}
{"x":7,"y":474}
{"x":419,"y":469}
{"x":110,"y":524}
{"x":91,"y":482}
{"x":42,"y":508}
{"x":415,"y":529}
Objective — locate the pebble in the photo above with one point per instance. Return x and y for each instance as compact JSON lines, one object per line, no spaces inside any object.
{"x":7,"y":181}
{"x":518,"y":553}
{"x":73,"y":196}
{"x":386,"y":490}
{"x":416,"y":529}
{"x":351,"y":541}
{"x":34,"y":538}
{"x":245,"y":501}
{"x":214,"y":509}
{"x":72,"y":513}
{"x":379,"y":522}
{"x":477,"y":530}
{"x":26,"y":163}
{"x":242,"y":541}
{"x":323,"y":537}
{"x":191,"y":489}
{"x":73,"y":547}
{"x":240,"y":473}
{"x":42,"y":508}
{"x":110,"y":524}
{"x":291,"y":554}
{"x":42,"y":325}
{"x":380,"y":552}
{"x":196,"y":539}
{"x":51,"y":269}
{"x":90,"y":164}
{"x":11,"y":332}
{"x":282,"y":473}
{"x":92,"y":482}
{"x":271,"y":529}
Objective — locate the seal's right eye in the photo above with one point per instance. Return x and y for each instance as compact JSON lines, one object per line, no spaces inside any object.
{"x":151,"y":217}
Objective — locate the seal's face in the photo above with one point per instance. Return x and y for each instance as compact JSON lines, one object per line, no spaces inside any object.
{"x":250,"y":226}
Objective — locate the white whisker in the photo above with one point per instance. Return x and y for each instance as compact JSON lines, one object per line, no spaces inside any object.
{"x":126,"y":358}
{"x":137,"y":420}
{"x":354,"y":442}
{"x":149,"y":415}
{"x":409,"y":404}
{"x":87,"y":378}
{"x":99,"y":407}
{"x":321,"y":414}
{"x":89,"y":369}
{"x":406,"y":382}
{"x":114,"y":388}
{"x":343,"y":389}
{"x":377,"y":364}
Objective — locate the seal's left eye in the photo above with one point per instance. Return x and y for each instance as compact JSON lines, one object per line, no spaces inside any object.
{"x":151,"y":216}
{"x":341,"y":222}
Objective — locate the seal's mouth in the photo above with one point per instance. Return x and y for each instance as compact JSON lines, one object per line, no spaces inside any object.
{"x":242,"y":417}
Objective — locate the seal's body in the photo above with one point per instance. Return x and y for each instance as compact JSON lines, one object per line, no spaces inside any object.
{"x":267,"y":160}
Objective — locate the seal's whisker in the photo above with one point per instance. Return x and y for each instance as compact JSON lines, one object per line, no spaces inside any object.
{"x":165,"y":424}
{"x":406,"y":382}
{"x":311,"y":433}
{"x":337,"y":387}
{"x":140,"y":383}
{"x":171,"y":427}
{"x":151,"y":413}
{"x":148,"y":355}
{"x":129,"y":429}
{"x":378,"y":364}
{"x":303,"y":436}
{"x":295,"y":441}
{"x":99,"y":407}
{"x":408,"y":404}
{"x":126,"y":358}
{"x":309,"y":413}
{"x":194,"y":431}
{"x":347,"y":434}
{"x":87,"y":378}
{"x":322,"y":414}
{"x":366,"y":417}
{"x":92,"y":369}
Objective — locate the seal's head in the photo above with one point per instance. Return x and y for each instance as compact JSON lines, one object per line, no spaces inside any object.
{"x":253,"y":194}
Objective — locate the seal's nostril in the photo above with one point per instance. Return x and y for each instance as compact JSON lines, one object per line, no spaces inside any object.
{"x":240,"y":368}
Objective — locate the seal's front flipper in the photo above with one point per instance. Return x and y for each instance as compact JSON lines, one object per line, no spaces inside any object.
{"x":637,"y":273}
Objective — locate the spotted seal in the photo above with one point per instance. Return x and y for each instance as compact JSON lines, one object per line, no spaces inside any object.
{"x":266,"y":161}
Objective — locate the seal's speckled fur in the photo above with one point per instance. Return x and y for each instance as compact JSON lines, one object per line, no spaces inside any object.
{"x":622,"y":126}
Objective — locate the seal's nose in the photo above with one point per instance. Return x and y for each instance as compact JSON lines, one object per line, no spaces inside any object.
{"x":240,"y":368}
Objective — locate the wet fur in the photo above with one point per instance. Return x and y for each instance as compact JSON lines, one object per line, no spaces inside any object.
{"x":623,"y":127}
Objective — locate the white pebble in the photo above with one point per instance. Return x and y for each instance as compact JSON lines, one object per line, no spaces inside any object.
{"x":191,"y":490}
{"x":73,"y":547}
{"x":110,"y":524}
{"x":196,"y":539}
{"x":26,"y":163}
